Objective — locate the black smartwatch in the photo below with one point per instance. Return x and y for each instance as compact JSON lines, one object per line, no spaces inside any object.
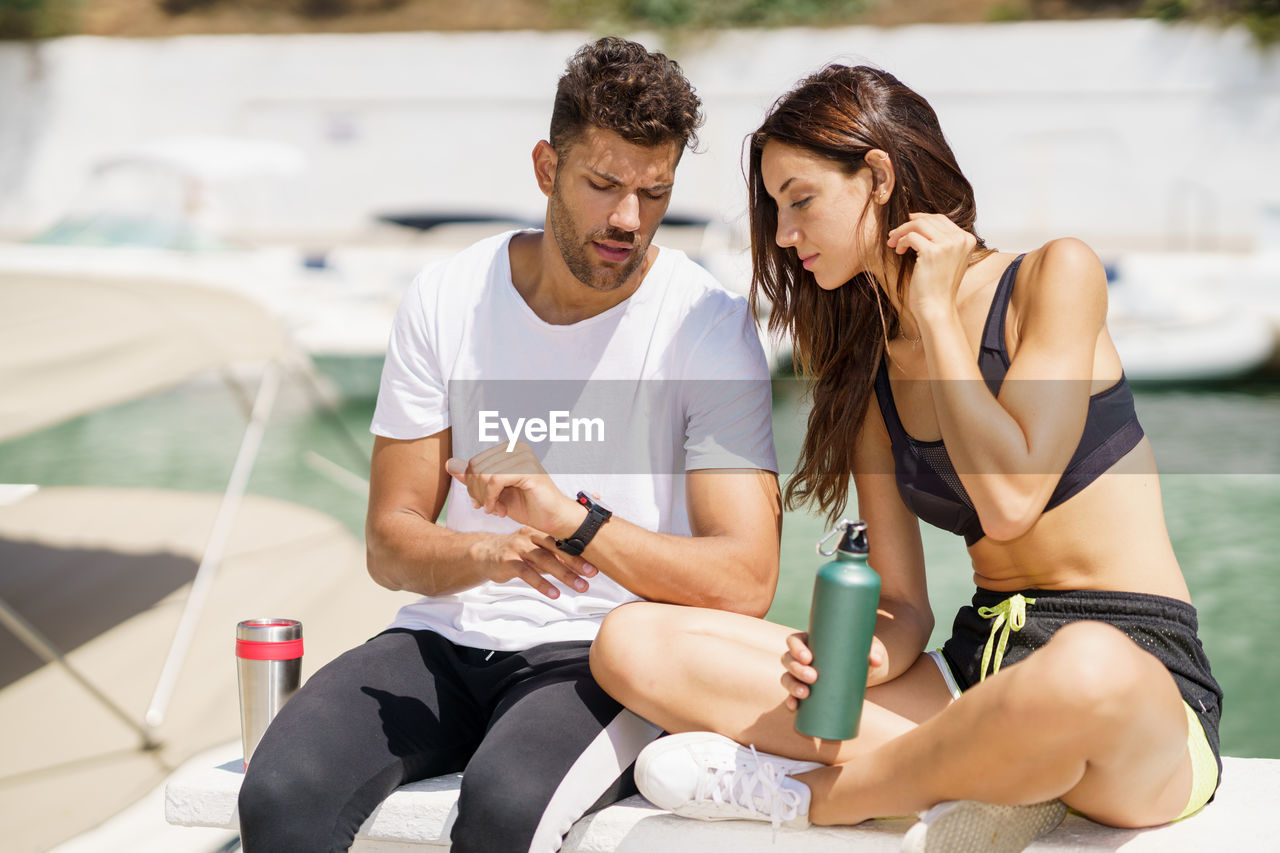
{"x":597,"y":514}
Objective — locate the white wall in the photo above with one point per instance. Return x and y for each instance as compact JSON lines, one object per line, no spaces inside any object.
{"x":1127,"y":133}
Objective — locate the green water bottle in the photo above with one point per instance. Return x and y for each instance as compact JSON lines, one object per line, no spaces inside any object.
{"x":842,"y":622}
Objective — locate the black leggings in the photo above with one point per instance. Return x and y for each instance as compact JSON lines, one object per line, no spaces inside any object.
{"x":541,"y":745}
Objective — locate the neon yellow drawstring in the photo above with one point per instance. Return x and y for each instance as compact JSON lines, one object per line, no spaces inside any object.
{"x":1011,"y":614}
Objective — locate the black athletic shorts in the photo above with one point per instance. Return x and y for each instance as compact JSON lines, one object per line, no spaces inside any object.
{"x":1165,"y":627}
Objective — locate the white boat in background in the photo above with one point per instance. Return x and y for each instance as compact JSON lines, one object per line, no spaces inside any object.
{"x":170,"y":210}
{"x":1174,"y":317}
{"x":185,"y":209}
{"x":1169,"y":326}
{"x":1195,"y":317}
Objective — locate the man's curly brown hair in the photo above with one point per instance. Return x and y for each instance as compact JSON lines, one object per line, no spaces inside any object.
{"x":618,"y":85}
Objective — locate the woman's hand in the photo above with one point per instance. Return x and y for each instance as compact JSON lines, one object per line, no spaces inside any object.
{"x":942,"y":252}
{"x":798,"y":663}
{"x":799,"y":674}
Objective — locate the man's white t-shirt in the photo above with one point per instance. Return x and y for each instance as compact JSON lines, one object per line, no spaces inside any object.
{"x":619,"y":405}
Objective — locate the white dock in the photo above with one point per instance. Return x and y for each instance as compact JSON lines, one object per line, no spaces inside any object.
{"x":417,"y":817}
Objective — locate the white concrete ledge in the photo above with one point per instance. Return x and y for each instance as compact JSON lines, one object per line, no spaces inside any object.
{"x":417,"y":817}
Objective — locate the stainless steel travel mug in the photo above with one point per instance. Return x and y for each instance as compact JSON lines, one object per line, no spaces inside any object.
{"x":269,"y":664}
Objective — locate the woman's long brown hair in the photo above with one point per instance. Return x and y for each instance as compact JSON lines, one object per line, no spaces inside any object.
{"x":839,"y":336}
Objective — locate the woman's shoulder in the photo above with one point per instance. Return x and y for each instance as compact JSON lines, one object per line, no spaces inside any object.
{"x":1064,"y":273}
{"x":1064,"y":258}
{"x":1064,"y":278}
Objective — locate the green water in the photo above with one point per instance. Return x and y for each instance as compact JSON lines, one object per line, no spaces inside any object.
{"x":1219,"y":450}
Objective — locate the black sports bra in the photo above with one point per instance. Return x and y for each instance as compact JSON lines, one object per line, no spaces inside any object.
{"x":928,"y":481}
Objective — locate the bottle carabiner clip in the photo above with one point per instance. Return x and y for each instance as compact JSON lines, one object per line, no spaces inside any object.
{"x":835,"y":531}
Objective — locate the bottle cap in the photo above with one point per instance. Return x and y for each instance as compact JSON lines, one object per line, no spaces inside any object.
{"x":853,"y":539}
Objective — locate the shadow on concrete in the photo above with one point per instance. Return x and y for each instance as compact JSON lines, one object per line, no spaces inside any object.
{"x":72,"y":595}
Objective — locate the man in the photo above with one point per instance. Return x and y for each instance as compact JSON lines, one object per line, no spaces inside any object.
{"x":530,"y":368}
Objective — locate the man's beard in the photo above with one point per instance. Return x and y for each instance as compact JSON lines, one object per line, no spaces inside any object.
{"x":576,"y":256}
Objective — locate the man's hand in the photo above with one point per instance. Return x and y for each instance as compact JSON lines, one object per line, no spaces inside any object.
{"x":529,"y":555}
{"x":513,"y":484}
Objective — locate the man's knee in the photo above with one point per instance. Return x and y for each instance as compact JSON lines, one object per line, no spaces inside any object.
{"x":499,"y":809}
{"x":303,"y":805}
{"x":277,"y":811}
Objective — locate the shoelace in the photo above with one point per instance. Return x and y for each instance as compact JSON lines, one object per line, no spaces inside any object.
{"x":741,"y":787}
{"x":1010,"y":614}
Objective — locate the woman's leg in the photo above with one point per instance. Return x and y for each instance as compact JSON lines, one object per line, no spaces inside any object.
{"x":1090,"y":718}
{"x":695,"y":669}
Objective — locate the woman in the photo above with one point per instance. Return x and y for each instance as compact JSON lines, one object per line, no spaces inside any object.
{"x":979,"y":391}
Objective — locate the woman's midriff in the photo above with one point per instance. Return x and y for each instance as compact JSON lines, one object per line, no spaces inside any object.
{"x":1111,"y":535}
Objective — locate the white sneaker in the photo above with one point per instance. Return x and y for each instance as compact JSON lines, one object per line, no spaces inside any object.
{"x":961,"y":826}
{"x":710,"y":777}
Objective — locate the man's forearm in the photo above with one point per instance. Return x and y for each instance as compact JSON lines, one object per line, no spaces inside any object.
{"x":727,"y":572}
{"x":729,"y":562}
{"x":407,"y":552}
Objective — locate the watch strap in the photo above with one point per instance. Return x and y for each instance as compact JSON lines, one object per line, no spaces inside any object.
{"x":581,"y":538}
